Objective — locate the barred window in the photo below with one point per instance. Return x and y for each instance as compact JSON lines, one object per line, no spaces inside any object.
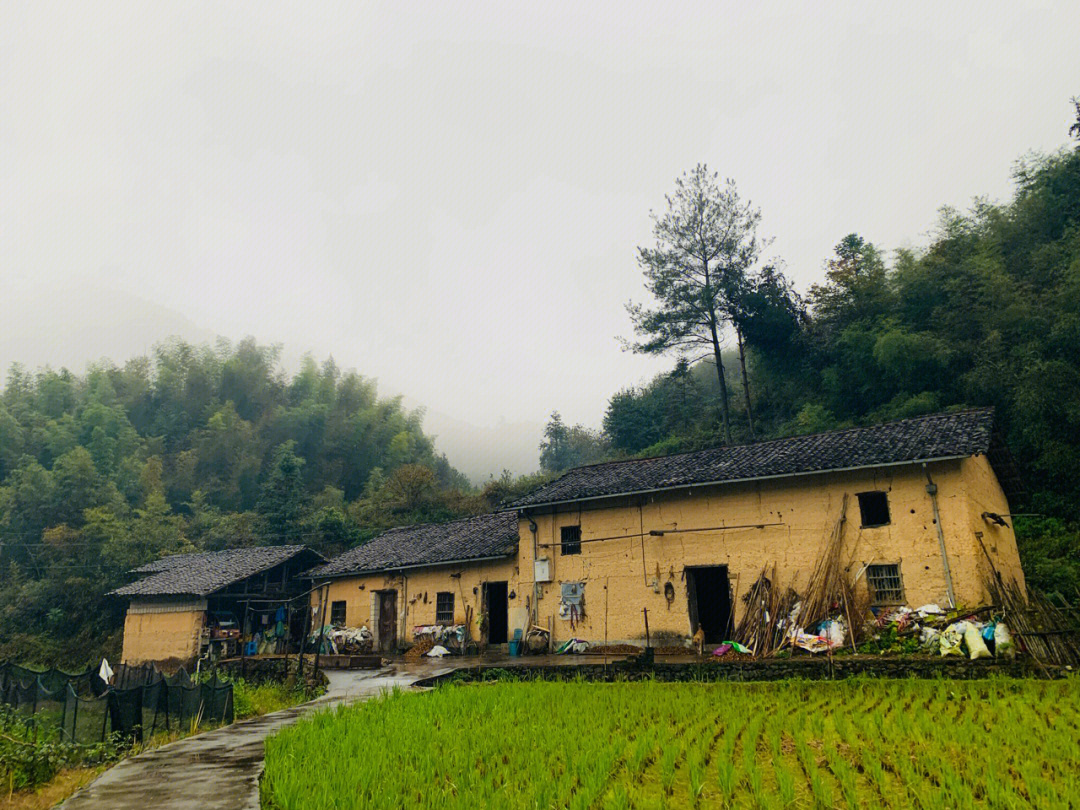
{"x":337,"y":613}
{"x":444,"y":607}
{"x":571,"y":540}
{"x":886,"y":586}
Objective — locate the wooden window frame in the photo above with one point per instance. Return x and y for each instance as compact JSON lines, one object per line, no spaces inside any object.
{"x":442,"y":611}
{"x":883,"y":595}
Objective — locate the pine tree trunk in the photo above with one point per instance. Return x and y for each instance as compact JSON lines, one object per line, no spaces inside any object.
{"x":745,"y":380}
{"x":723,"y":381}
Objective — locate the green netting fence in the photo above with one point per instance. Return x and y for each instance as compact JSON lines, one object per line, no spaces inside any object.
{"x":139,"y":702}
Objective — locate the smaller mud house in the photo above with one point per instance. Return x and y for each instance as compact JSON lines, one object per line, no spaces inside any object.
{"x":464,"y":572}
{"x":173,"y":605}
{"x":921,"y":505}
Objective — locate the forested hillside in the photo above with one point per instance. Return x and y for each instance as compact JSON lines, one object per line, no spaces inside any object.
{"x":194,"y":448}
{"x":987,"y":314}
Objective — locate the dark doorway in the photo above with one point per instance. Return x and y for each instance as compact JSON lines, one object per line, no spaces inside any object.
{"x":387,"y":621}
{"x":709,"y":594}
{"x":496,"y":605}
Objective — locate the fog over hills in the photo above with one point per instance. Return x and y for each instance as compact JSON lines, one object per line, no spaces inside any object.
{"x":73,"y":327}
{"x":485,"y":451}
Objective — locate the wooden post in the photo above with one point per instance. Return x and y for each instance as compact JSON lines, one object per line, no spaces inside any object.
{"x":288,"y":634}
{"x":324,"y":595}
{"x":243,"y":644}
{"x":303,"y":640}
{"x":647,"y":653}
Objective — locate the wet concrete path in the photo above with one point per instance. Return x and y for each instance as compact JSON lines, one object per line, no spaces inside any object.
{"x":220,"y":769}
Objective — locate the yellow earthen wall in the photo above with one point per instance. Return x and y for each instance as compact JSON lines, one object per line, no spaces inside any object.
{"x":985,"y":495}
{"x":416,"y":590}
{"x":162,"y":637}
{"x":623,"y":576}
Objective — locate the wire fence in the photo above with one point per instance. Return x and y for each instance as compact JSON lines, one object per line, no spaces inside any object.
{"x":139,"y":702}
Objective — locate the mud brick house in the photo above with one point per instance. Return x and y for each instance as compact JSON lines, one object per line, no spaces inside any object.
{"x":177,"y":597}
{"x":686,"y":535}
{"x":921,"y":507}
{"x":464,"y":572}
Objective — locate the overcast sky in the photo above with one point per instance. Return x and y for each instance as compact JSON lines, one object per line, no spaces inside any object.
{"x":448,"y":196}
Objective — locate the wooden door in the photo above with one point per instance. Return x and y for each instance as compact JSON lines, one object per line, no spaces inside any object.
{"x":388,"y":621}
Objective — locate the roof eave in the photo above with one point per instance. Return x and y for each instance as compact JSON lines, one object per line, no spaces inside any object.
{"x":629,"y":493}
{"x":374,"y":571}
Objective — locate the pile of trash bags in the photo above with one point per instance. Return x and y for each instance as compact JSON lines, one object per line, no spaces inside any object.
{"x":929,"y":623}
{"x":829,"y":635}
{"x":976,"y":639}
{"x":333,"y":640}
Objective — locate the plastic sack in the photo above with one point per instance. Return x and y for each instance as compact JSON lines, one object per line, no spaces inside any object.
{"x":930,"y":610}
{"x":812,"y":644}
{"x":834,"y":632}
{"x":974,"y":641}
{"x":952,"y":638}
{"x":1003,"y":642}
{"x":721,"y":650}
{"x":438,"y":651}
{"x":573,"y":645}
{"x":988,"y":632}
{"x":929,"y":636}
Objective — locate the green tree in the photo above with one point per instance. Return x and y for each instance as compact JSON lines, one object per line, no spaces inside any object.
{"x":283,"y":506}
{"x":565,"y":447}
{"x":706,"y":242}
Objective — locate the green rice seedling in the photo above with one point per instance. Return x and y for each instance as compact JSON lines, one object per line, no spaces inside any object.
{"x":785,"y":785}
{"x":846,"y":777}
{"x":755,"y":780}
{"x":725,"y":775}
{"x":667,"y":768}
{"x":617,"y":799}
{"x":875,"y":770}
{"x":696,"y":771}
{"x":820,"y":790}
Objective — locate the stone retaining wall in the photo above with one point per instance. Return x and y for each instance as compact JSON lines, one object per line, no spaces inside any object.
{"x":821,"y":668}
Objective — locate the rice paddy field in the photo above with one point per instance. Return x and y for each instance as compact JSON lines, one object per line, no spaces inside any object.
{"x":859,"y":743}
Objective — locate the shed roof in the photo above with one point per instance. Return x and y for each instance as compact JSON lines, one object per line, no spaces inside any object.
{"x":203,"y":573}
{"x":429,"y":544}
{"x":923,"y":438}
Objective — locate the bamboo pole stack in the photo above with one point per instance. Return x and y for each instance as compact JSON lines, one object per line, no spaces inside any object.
{"x":765,"y":620}
{"x":1044,"y":630}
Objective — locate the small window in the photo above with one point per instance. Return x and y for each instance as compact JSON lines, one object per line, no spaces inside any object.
{"x":571,"y":540}
{"x":874,"y":507}
{"x":444,"y":607}
{"x":886,"y":587}
{"x":337,"y":613}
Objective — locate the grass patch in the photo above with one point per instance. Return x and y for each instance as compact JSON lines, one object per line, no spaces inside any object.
{"x":853,"y":743}
{"x":256,"y":699}
{"x":62,"y":785}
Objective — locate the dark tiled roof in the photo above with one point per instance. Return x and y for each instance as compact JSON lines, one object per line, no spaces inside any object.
{"x":163,"y":564}
{"x":202,"y":574}
{"x":429,"y":544}
{"x":944,"y":435}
